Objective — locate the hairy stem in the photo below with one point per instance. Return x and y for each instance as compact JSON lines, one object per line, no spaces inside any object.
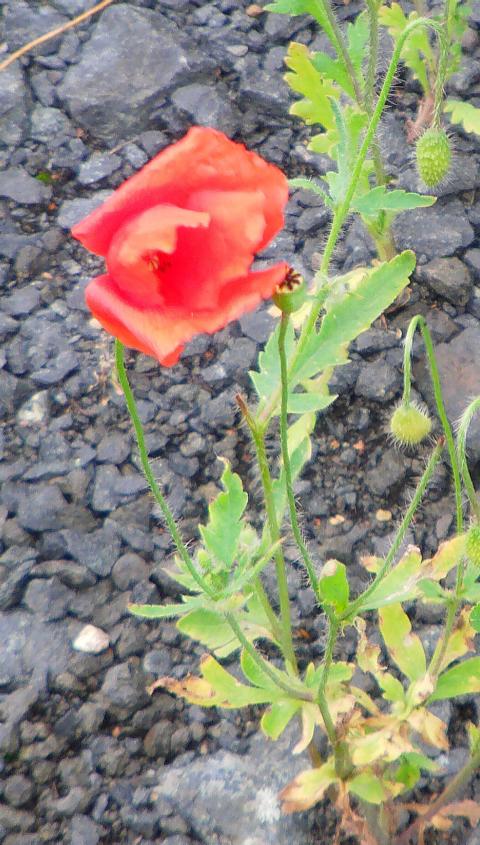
{"x":445,"y":39}
{"x":420,"y":322}
{"x":341,"y":47}
{"x":410,"y":513}
{"x":157,"y":493}
{"x":263,"y":664}
{"x":465,"y":421}
{"x":286,"y":461}
{"x":258,"y":436}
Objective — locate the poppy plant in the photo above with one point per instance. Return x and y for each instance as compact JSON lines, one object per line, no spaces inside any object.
{"x":179,"y":238}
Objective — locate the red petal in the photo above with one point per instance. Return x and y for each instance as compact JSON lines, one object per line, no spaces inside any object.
{"x":144,"y":240}
{"x":204,"y":159}
{"x":163,"y":333}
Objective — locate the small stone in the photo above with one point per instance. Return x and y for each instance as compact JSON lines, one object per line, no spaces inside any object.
{"x":18,"y":790}
{"x":124,"y":688}
{"x":378,"y":381}
{"x":72,"y":211}
{"x":390,"y":472}
{"x":98,"y":167}
{"x":84,"y":831}
{"x":48,"y":598}
{"x":91,"y":640}
{"x":449,"y":278}
{"x":16,"y":184}
{"x":130,"y":569}
{"x":42,"y":508}
{"x":35,"y":410}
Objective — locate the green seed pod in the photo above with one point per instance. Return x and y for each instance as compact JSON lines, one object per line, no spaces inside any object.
{"x":410,"y":424}
{"x":434,"y":156}
{"x":472,"y":545}
{"x":291,"y":294}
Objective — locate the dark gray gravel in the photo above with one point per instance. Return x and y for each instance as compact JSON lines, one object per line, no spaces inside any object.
{"x":86,"y":756}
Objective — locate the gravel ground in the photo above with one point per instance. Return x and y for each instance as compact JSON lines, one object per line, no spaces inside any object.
{"x":87,"y":757}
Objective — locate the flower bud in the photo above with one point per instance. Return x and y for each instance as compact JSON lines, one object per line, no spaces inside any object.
{"x":472,"y":545}
{"x":291,"y":294}
{"x":410,"y":424}
{"x":434,"y":156}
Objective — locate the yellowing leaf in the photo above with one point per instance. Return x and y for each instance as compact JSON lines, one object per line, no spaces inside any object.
{"x":449,"y":554}
{"x":404,"y":647}
{"x":430,"y":728}
{"x":308,"y":788}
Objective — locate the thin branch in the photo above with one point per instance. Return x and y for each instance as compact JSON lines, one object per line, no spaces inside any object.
{"x":52,"y":34}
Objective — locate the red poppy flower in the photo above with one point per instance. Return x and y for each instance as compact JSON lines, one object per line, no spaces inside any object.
{"x":179,"y":238}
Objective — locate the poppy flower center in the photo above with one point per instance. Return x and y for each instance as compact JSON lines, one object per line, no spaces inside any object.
{"x":158,"y":262}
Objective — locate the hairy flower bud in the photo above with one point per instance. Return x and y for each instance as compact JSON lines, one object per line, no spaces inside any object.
{"x":434,"y":156}
{"x":472,"y":545}
{"x":410,"y":424}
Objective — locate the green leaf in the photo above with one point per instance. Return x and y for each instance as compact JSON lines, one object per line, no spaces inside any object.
{"x":317,"y":92}
{"x":334,"y":70}
{"x":461,"y":680}
{"x":404,"y":647}
{"x":231,"y":692}
{"x":333,"y":584}
{"x":268,"y":379}
{"x":379,"y":199}
{"x":432,"y":591}
{"x":208,"y":628}
{"x":315,"y":8}
{"x":410,"y":767}
{"x":306,"y":184}
{"x":417,"y":52}
{"x":399,"y":585}
{"x":464,"y":113}
{"x":358,"y":41}
{"x":352,"y":315}
{"x":475,"y":618}
{"x":302,"y":403}
{"x":368,"y":787}
{"x":253,"y":673}
{"x":222,"y":533}
{"x":276,"y":718}
{"x":161,"y":611}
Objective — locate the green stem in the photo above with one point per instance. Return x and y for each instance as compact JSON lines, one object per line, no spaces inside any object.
{"x":267,"y":607}
{"x":462,"y":455}
{"x":321,"y":696}
{"x":342,"y":211}
{"x":444,"y":48}
{"x":420,"y":322}
{"x":341,"y":48}
{"x":258,"y":436}
{"x":419,"y":493}
{"x":286,"y":461}
{"x":157,"y":493}
{"x":262,"y":664}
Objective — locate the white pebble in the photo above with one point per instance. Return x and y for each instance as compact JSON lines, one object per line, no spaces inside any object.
{"x":91,"y":640}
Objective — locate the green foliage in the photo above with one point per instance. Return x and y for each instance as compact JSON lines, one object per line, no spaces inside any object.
{"x":466,"y":114}
{"x":379,"y":199}
{"x":404,"y":647}
{"x":463,"y":679}
{"x":333,"y":585}
{"x":221,"y":535}
{"x":475,"y":618}
{"x":417,"y":52}
{"x":351,"y":315}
